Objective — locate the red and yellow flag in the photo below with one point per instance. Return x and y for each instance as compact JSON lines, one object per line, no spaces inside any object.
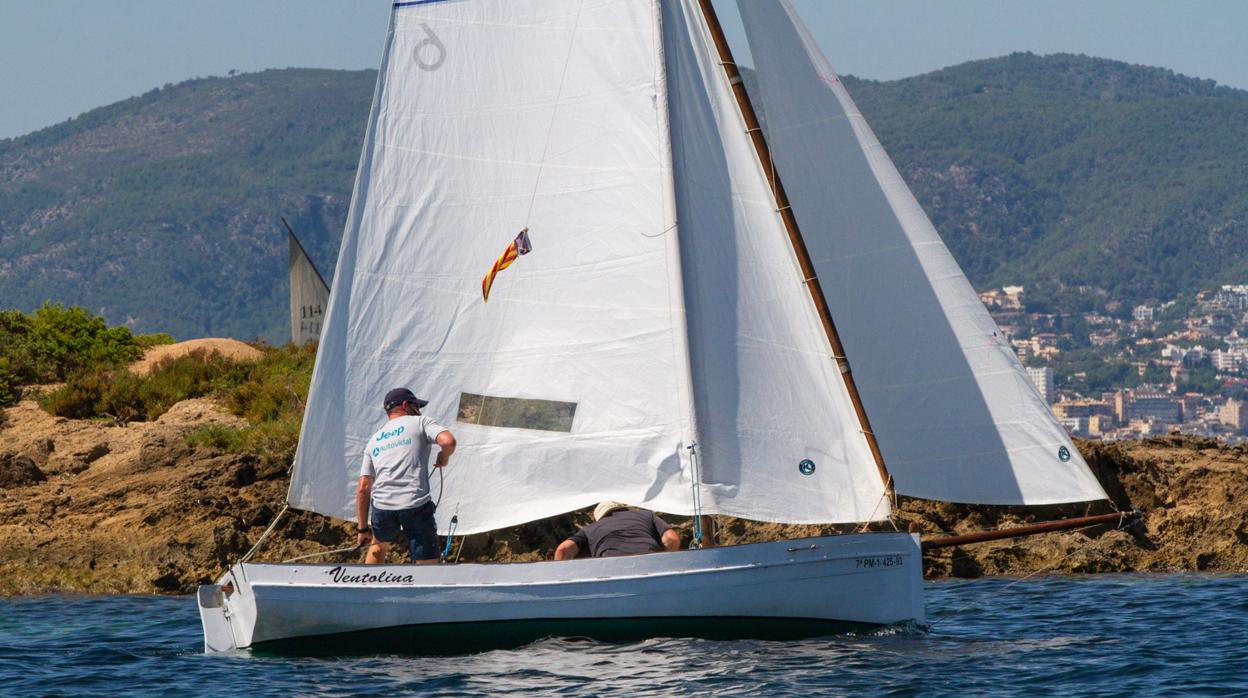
{"x":519,"y":246}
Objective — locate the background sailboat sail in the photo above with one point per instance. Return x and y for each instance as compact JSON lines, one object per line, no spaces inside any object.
{"x":954,"y":413}
{"x":768,"y":393}
{"x":309,"y":294}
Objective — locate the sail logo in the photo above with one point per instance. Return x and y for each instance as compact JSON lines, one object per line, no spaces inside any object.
{"x":1063,"y":454}
{"x":431,"y":41}
{"x":383,"y":434}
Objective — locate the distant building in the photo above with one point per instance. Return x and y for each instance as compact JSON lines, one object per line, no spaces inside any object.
{"x":1195,"y":357}
{"x":1234,"y":414}
{"x":1231,"y":297}
{"x":1143,"y":313}
{"x":1042,"y":378}
{"x":1082,"y":408}
{"x":1075,"y":426}
{"x":1131,"y":406}
{"x":1190,"y":404}
{"x":1100,"y":424}
{"x":1226,"y":360}
{"x":1006,"y":298}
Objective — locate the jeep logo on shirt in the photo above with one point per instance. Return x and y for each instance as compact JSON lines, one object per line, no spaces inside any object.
{"x":388,"y":434}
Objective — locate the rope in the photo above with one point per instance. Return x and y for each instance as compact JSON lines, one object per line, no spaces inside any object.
{"x":883,"y":496}
{"x":450,"y":538}
{"x":697,"y":497}
{"x":324,"y":552}
{"x":264,"y":535}
{"x":555,"y":110}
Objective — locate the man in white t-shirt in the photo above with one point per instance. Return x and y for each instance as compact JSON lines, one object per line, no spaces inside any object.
{"x":394,"y":480}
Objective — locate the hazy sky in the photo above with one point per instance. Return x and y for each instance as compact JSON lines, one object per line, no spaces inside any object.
{"x":59,"y":58}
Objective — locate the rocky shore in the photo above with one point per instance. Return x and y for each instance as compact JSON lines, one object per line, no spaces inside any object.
{"x":94,"y":507}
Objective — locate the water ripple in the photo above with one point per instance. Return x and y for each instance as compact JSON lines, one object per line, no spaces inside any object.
{"x":1147,"y":634}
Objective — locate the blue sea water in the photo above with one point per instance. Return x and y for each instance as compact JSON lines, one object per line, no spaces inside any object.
{"x":1092,"y":635}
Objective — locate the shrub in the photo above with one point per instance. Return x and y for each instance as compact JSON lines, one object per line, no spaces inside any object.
{"x":270,"y":394}
{"x":68,"y":339}
{"x":126,"y":397}
{"x":80,"y":398}
{"x":10,"y":390}
{"x":217,"y":436}
{"x":152,"y":340}
{"x":55,"y":342}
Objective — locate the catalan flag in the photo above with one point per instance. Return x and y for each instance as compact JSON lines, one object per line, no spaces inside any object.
{"x":519,"y":246}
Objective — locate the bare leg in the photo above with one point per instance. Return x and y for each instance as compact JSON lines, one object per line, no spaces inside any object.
{"x":377,"y":553}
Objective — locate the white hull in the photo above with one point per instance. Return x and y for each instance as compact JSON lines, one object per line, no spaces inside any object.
{"x":867,"y":578}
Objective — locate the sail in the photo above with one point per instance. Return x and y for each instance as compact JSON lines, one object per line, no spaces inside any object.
{"x":309,"y":296}
{"x":769,"y":394}
{"x":954,"y":413}
{"x":571,"y":384}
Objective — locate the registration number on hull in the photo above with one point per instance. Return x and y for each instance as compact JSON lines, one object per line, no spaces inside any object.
{"x":878,"y":561}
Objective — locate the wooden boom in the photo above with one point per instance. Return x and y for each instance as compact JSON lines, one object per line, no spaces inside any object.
{"x":1121,"y":518}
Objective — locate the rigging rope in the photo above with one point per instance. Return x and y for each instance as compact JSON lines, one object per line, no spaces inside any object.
{"x":266,"y":533}
{"x":697,"y":497}
{"x":553,"y":112}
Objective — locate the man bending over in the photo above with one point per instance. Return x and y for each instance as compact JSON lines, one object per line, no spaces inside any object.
{"x":619,"y":530}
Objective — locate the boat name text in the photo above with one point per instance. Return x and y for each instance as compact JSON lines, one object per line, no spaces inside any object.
{"x":342,"y":576}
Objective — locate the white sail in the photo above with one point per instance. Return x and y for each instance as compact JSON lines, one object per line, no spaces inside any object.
{"x":309,"y":295}
{"x":490,"y":117}
{"x":768,"y":392}
{"x":954,"y":412}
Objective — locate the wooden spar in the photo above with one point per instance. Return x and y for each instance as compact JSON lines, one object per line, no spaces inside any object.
{"x":1120,"y":518}
{"x":708,"y":531}
{"x":795,"y":236}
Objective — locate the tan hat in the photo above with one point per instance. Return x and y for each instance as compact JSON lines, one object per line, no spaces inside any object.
{"x":605,"y":508}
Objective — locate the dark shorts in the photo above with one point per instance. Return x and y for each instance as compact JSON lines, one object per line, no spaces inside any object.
{"x":417,"y":525}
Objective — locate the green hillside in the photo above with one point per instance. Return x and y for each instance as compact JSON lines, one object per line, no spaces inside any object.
{"x":1074,"y":170}
{"x":162,"y":211}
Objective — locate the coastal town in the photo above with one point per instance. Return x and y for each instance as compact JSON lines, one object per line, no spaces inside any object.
{"x":1112,"y":371}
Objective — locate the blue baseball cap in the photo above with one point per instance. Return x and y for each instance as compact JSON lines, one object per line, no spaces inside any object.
{"x":398,"y":396}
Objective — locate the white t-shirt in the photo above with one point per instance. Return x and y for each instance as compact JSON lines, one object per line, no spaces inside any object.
{"x":397,"y":458}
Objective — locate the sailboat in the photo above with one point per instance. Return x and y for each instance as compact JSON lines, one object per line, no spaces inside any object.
{"x":309,"y":294}
{"x":680,"y":337}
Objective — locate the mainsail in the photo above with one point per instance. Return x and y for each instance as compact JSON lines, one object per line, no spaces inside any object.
{"x":490,"y":117}
{"x":951,"y":406}
{"x":578,"y":380}
{"x":309,"y":294}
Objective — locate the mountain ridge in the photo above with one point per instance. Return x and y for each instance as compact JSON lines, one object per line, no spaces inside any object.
{"x":162,"y":210}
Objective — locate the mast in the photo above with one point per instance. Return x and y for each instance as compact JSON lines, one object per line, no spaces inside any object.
{"x":795,"y":235}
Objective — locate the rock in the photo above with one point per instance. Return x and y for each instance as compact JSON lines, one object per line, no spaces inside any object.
{"x":18,"y":470}
{"x":93,"y":454}
{"x":168,"y":582}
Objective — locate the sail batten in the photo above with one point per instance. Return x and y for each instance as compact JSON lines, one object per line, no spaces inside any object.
{"x":939,"y":381}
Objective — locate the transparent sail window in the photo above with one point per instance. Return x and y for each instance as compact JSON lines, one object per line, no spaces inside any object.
{"x":515,"y":412}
